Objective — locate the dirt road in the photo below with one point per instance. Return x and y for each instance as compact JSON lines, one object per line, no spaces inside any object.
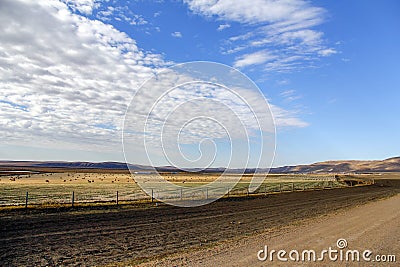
{"x":374,"y":226}
{"x":128,"y":236}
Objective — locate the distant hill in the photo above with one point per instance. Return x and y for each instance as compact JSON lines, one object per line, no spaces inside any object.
{"x":72,"y":165}
{"x":340,"y":166}
{"x":344,"y":166}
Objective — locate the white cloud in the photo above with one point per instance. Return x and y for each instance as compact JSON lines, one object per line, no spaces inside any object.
{"x":83,"y":6}
{"x":289,"y":12}
{"x":66,"y":80}
{"x":284,"y":119}
{"x":284,"y":27}
{"x":287,"y":93}
{"x":73,"y":78}
{"x":327,"y":52}
{"x":222,"y":27}
{"x":283,"y":82}
{"x":290,"y":95}
{"x":194,"y":112}
{"x":253,"y":59}
{"x":176,"y":34}
{"x":121,"y":13}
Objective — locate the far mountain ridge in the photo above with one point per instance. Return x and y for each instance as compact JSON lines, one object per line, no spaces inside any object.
{"x":331,"y":166}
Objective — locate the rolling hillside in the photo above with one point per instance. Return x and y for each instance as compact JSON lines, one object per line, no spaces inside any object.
{"x":387,"y":165}
{"x":341,"y":166}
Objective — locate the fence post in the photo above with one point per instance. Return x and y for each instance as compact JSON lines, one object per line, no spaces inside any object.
{"x":280,"y":187}
{"x":292,"y":187}
{"x":152,"y":195}
{"x":73,"y":199}
{"x":117,"y":198}
{"x":26,"y":200}
{"x":304,"y":186}
{"x":181,"y":193}
{"x":228,"y":192}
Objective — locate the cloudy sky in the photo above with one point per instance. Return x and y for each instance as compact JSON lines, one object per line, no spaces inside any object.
{"x":329,"y":69}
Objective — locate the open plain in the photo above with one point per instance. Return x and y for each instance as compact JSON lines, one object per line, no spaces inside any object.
{"x":130,"y":235}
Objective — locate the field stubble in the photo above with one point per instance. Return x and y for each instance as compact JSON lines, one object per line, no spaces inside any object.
{"x":129,"y":236}
{"x":47,"y":189}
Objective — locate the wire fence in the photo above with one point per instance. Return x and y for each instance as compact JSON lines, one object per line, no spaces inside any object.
{"x":43,"y":195}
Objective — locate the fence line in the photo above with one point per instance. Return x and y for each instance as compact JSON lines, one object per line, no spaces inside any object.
{"x":184,"y":193}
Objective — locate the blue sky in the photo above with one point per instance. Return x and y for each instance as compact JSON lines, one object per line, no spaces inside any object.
{"x":330,"y":69}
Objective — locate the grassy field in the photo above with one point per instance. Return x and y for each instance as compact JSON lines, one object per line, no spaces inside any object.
{"x":57,"y":188}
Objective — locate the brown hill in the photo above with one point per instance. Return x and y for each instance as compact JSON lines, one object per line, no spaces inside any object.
{"x":344,"y":166}
{"x":340,"y":166}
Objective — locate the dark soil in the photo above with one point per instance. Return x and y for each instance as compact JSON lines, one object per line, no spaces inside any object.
{"x":114,"y":235}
